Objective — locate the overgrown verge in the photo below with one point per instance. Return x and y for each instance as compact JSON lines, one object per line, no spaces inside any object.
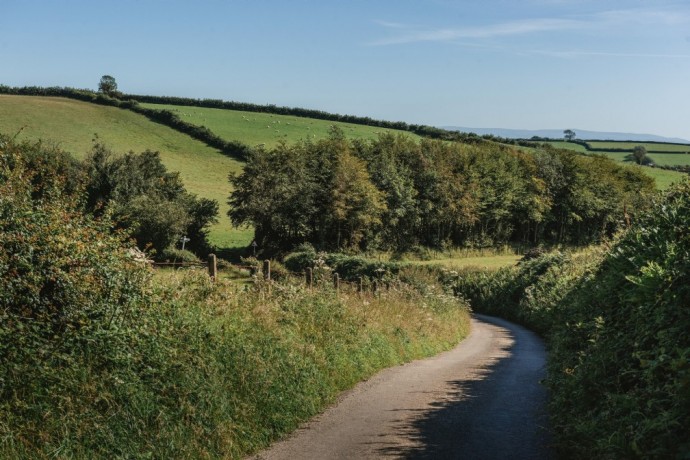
{"x":99,"y":361}
{"x":616,"y":322}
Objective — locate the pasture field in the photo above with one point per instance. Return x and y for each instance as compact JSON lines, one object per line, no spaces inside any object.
{"x":670,"y":159}
{"x":255,"y":128}
{"x":650,"y":146}
{"x":663,"y":178}
{"x":568,"y":146}
{"x":489,"y":262}
{"x":72,"y":125}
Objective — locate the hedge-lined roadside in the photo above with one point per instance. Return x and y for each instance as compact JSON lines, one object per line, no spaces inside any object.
{"x":99,"y":360}
{"x":616,"y":321}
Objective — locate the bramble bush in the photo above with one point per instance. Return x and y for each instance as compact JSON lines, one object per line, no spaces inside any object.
{"x":68,"y":292}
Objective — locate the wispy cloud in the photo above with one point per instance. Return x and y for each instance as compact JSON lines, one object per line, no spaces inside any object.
{"x":641,"y":16}
{"x":584,"y":53}
{"x":413,"y":34}
{"x":605,"y":21}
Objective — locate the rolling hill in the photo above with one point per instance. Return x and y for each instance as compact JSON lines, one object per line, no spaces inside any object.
{"x":255,"y":128}
{"x":73,"y":125}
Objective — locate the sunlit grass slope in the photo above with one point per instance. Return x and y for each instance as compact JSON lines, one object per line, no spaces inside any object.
{"x":73,"y":124}
{"x":650,"y":146}
{"x":663,"y":178}
{"x":255,"y":128}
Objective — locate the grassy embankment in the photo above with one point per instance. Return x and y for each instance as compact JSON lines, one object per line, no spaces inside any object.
{"x":219,"y":372}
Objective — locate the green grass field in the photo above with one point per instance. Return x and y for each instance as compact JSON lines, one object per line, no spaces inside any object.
{"x":568,"y":146}
{"x":662,"y":177}
{"x":72,"y":124}
{"x":489,"y":262}
{"x":670,"y":159}
{"x":255,"y":128}
{"x":650,"y":146}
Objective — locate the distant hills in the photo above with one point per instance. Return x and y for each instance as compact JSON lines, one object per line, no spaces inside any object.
{"x":558,"y":134}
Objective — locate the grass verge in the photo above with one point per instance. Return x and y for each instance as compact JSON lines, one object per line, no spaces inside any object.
{"x":220,"y":371}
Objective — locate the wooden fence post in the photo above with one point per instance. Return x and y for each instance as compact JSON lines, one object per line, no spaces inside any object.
{"x":360,"y":285}
{"x":267,"y":270}
{"x":309,"y":274}
{"x":267,"y":275}
{"x":212,"y":267}
{"x":336,"y":283}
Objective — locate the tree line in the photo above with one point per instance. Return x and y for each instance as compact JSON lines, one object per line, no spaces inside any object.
{"x":394,"y":193}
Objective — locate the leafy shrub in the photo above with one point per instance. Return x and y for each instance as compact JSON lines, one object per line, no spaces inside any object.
{"x":68,"y":292}
{"x":616,"y":321}
{"x":146,"y":199}
{"x":178,"y":255}
{"x":620,"y":371}
{"x":348,"y":267}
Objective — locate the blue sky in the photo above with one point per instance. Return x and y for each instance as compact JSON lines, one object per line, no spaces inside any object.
{"x":606,"y":65}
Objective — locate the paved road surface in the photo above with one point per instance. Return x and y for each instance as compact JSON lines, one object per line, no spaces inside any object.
{"x":481,"y":400}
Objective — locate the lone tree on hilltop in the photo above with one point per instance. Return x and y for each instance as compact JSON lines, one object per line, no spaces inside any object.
{"x":569,"y":134}
{"x":108,"y":85}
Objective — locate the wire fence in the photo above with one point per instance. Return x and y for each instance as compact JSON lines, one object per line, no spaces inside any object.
{"x":309,"y":277}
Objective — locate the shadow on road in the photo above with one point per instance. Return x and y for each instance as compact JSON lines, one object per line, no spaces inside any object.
{"x":496,"y":412}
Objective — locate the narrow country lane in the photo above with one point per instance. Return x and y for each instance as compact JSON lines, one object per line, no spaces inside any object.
{"x":481,"y":400}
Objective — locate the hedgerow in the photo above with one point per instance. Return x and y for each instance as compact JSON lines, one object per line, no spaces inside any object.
{"x":616,"y":321}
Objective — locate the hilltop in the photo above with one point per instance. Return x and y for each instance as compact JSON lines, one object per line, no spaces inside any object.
{"x":558,"y":134}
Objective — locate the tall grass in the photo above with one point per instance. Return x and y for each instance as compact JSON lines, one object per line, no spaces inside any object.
{"x":220,"y":370}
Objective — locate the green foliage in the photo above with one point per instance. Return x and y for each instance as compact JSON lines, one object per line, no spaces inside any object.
{"x":616,"y":322}
{"x":311,"y":192}
{"x":429,"y":193}
{"x":348,"y":267}
{"x":99,"y":363}
{"x":639,"y":153}
{"x":143,"y":197}
{"x":178,"y":255}
{"x":68,"y":291}
{"x":630,"y":321}
{"x":107,"y":85}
